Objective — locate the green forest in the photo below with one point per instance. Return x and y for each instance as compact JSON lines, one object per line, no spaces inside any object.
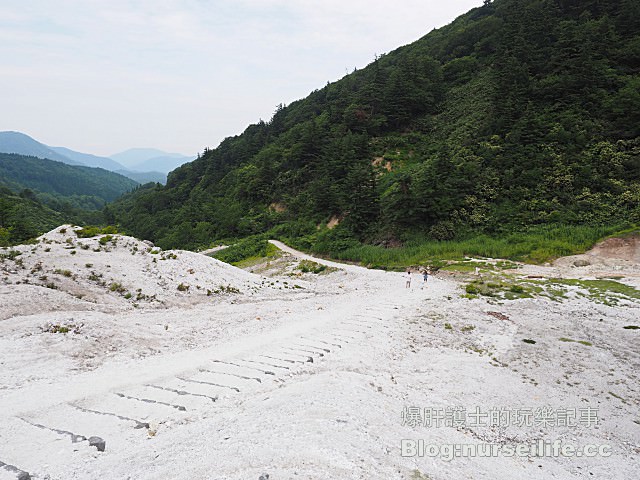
{"x":520,"y":120}
{"x":88,"y":187}
{"x":23,"y":217}
{"x":37,"y":195}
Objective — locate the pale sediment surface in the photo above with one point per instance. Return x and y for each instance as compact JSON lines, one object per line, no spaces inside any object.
{"x":209,"y":372}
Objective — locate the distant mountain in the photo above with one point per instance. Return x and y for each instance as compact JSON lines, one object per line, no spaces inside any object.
{"x":141,"y":175}
{"x":151,"y":159}
{"x":164,"y":164}
{"x":143,"y":165}
{"x":55,"y":178}
{"x":89,"y":160}
{"x":134,"y":156}
{"x":144,"y":177}
{"x":16,"y":142}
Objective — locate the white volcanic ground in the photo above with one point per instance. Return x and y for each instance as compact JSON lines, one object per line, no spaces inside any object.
{"x":188,"y":368}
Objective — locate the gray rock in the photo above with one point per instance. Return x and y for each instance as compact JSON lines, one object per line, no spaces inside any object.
{"x":264,"y":476}
{"x":581,"y":262}
{"x":24,"y":476}
{"x":97,"y":442}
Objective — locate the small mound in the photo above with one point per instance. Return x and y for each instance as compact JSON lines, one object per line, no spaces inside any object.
{"x":623,"y":248}
{"x":116,"y":270}
{"x":623,"y":252}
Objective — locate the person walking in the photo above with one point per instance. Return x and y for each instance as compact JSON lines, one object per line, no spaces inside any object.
{"x":408,"y":277}
{"x":425,"y":277}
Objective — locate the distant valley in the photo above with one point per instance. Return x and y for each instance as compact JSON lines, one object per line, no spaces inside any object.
{"x":41,"y":185}
{"x":145,"y":159}
{"x":143,"y":165}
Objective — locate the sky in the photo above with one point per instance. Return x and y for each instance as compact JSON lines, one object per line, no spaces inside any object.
{"x":180,"y":75}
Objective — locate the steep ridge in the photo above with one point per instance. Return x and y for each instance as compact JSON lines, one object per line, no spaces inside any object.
{"x":510,"y":117}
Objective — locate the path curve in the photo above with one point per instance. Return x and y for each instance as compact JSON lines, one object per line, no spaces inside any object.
{"x":329,"y":263}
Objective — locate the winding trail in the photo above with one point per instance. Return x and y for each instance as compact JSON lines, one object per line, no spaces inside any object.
{"x":171,"y":399}
{"x":329,"y":263}
{"x":312,"y":377}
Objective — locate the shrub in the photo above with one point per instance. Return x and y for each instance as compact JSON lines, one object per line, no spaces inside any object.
{"x":106,"y":239}
{"x":472,"y":289}
{"x":255,"y":246}
{"x":58,"y":328}
{"x":307,"y":266}
{"x":10,"y":255}
{"x":224,"y":289}
{"x":93,"y":231}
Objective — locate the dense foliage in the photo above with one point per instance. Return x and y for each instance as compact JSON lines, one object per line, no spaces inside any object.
{"x":23,"y":217}
{"x":37,"y":195}
{"x":520,"y":113}
{"x":85,"y":187}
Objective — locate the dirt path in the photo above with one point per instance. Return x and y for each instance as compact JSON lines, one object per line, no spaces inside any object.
{"x":343,"y":266}
{"x":315,"y":377}
{"x":135,"y":404}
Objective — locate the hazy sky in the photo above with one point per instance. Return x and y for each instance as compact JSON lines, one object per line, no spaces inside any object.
{"x":181,"y":75}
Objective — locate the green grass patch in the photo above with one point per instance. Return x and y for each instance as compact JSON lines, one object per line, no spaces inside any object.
{"x":116,"y":287}
{"x":246,"y":252}
{"x":9,"y":255}
{"x":106,"y":239}
{"x":307,"y":266}
{"x":271,"y":253}
{"x":537,"y":244}
{"x":608,"y":292}
{"x":94,"y":231}
{"x":504,"y":287}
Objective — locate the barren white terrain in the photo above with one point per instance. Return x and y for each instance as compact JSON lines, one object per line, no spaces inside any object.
{"x":121,"y":361}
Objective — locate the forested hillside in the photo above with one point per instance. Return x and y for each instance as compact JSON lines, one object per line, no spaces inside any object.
{"x":23,"y":217}
{"x":38,"y":194}
{"x":86,"y":187}
{"x":520,"y":113}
